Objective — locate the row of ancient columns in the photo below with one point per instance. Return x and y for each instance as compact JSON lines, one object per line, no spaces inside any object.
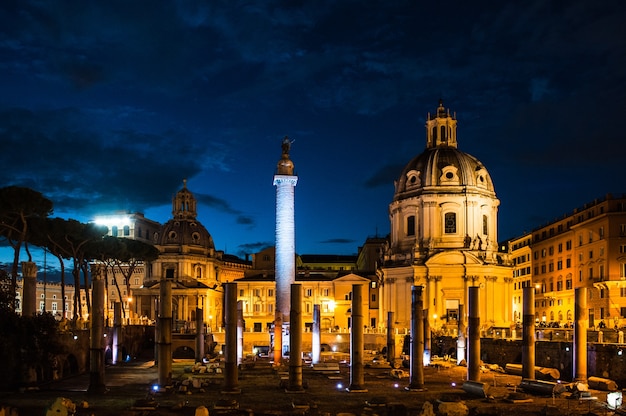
{"x":233,"y":318}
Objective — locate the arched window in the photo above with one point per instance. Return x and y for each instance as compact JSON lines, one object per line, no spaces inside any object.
{"x":434,"y":133}
{"x":410,"y":225}
{"x":114,"y":231}
{"x":443,"y":133}
{"x":450,"y":223}
{"x":485,"y":227}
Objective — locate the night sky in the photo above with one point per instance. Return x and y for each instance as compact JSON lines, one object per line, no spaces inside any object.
{"x":110,"y":105}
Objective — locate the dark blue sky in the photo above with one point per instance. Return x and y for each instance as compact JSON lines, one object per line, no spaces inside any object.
{"x":109,"y":105}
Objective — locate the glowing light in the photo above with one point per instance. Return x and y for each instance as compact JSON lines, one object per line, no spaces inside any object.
{"x":396,"y":385}
{"x":75,"y":336}
{"x":619,"y":352}
{"x":339,"y":385}
{"x":434,"y":316}
{"x":453,"y":384}
{"x":113,"y":220}
{"x":155,"y":387}
{"x":331,"y":305}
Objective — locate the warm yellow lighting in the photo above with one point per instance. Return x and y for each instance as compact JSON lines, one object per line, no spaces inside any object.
{"x":130,"y":300}
{"x":434,"y":316}
{"x":331,"y":305}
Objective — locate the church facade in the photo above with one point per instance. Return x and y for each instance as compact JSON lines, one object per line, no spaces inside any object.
{"x":444,"y":236}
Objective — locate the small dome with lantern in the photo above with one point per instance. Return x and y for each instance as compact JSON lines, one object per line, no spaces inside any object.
{"x":184,"y":229}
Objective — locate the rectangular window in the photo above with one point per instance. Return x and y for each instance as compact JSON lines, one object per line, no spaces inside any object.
{"x":568,"y":284}
{"x":568,"y":245}
{"x":42,"y":306}
{"x":559,"y":285}
{"x":568,"y":263}
{"x":410,"y":225}
{"x":622,"y":292}
{"x":270,"y":293}
{"x":257,"y":307}
{"x":623,"y":312}
{"x":560,"y":247}
{"x":257,"y":292}
{"x":450,"y":223}
{"x":270,"y":308}
{"x":622,"y":248}
{"x":326,"y":292}
{"x":551,"y":267}
{"x":373,"y":297}
{"x":241,"y":293}
{"x":559,"y":265}
{"x":590,"y":273}
{"x":601,"y":233}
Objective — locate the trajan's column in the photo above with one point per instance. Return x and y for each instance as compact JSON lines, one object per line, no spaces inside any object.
{"x":285,"y":272}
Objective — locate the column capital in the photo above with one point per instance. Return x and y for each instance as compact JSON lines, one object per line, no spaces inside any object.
{"x":285,"y":180}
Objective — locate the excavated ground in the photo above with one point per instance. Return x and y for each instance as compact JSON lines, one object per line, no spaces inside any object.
{"x":263,"y":393}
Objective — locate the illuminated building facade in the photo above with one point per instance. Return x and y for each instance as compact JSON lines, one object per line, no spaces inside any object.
{"x":50,"y":299}
{"x":444,"y":235}
{"x":586,"y":248}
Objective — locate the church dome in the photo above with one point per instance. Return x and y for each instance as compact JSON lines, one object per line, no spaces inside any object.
{"x":184,"y":229}
{"x":444,"y":198}
{"x":442,"y":167}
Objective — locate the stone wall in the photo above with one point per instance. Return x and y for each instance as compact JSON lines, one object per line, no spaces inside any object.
{"x":603,"y":360}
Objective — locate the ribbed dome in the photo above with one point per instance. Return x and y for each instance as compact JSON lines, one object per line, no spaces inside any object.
{"x":183,"y":228}
{"x":442,"y":167}
{"x":185,"y":232}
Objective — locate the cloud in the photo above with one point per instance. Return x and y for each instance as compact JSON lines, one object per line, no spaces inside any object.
{"x":78,"y":162}
{"x":338,"y":241}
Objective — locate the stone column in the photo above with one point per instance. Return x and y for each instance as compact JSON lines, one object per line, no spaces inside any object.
{"x":295,"y":339}
{"x":240,"y":330}
{"x":117,"y":333}
{"x":231,"y":384}
{"x":460,"y":343}
{"x":473,"y":348}
{"x":199,"y":334}
{"x":427,"y":334}
{"x":391,"y":339}
{"x":29,"y":292}
{"x":165,"y":333}
{"x":416,"y":382}
{"x":528,"y":333}
{"x":316,"y":336}
{"x":581,"y":322}
{"x":357,"y":375}
{"x":96,"y":335}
